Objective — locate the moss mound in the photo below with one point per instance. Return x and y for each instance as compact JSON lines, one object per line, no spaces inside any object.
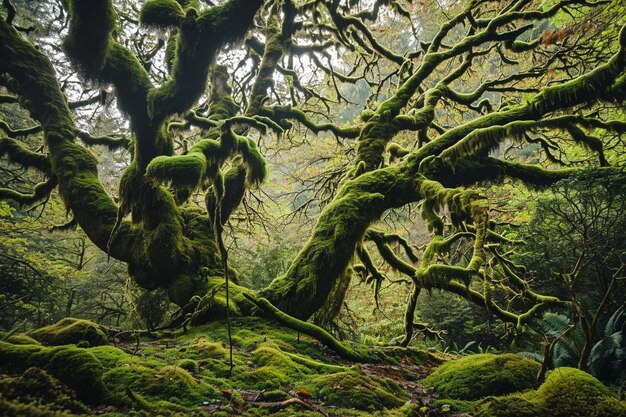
{"x":75,"y":367}
{"x":21,"y":339}
{"x":170,"y":383}
{"x":182,"y":373}
{"x":37,"y":393}
{"x":353,"y":389}
{"x":567,"y":392}
{"x":477,"y":376}
{"x":71,"y":331}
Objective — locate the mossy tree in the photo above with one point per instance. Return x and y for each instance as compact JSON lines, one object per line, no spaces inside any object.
{"x":431,"y":94}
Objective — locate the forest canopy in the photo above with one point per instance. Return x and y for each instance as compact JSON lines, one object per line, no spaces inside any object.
{"x":182,"y":161}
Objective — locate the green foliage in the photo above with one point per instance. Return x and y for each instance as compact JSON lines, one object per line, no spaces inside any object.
{"x":607,"y":360}
{"x":607,"y":357}
{"x":477,"y":376}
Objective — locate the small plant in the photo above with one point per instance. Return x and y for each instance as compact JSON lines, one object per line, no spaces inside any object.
{"x":607,"y":360}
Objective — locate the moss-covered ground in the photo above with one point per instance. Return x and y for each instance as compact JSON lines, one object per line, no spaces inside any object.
{"x":275,"y":372}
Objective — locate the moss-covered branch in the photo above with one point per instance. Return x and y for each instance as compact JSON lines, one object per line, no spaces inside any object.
{"x":110,"y":142}
{"x":72,"y":165}
{"x":15,"y":133}
{"x":200,"y":35}
{"x":41,"y":191}
{"x":281,"y":113}
{"x":19,"y":154}
{"x":310,"y":330}
{"x":306,"y":285}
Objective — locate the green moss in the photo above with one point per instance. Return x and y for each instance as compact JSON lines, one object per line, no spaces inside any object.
{"x":204,"y":350}
{"x":89,"y":34}
{"x":21,"y":339}
{"x":570,"y":392}
{"x":567,"y":392}
{"x":275,"y":395}
{"x":17,"y":153}
{"x":170,"y":383}
{"x":460,"y":406}
{"x":110,"y":356}
{"x":71,"y":331}
{"x":353,"y":389}
{"x":272,"y":367}
{"x":610,"y":407}
{"x":161,"y":13}
{"x":76,"y":367}
{"x":37,"y":393}
{"x":183,"y":172}
{"x":477,"y":376}
{"x":307,"y":284}
{"x":189,"y":365}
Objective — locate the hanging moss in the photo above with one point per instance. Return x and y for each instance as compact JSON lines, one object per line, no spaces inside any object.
{"x":71,"y":331}
{"x":91,"y":23}
{"x":199,"y":37}
{"x":162,"y":14}
{"x":255,"y":163}
{"x":234,"y":190}
{"x":170,"y":51}
{"x":477,"y":376}
{"x":17,"y":153}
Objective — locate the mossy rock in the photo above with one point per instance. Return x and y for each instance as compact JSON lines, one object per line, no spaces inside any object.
{"x":207,"y":350}
{"x":273,"y":367}
{"x":71,"y":331}
{"x":567,"y":392}
{"x":77,"y":368}
{"x":353,"y":389}
{"x":38,"y":393}
{"x":477,"y":376}
{"x":110,"y":356}
{"x":170,"y":383}
{"x":21,"y":339}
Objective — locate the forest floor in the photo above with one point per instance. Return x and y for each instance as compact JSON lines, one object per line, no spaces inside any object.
{"x":77,"y":368}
